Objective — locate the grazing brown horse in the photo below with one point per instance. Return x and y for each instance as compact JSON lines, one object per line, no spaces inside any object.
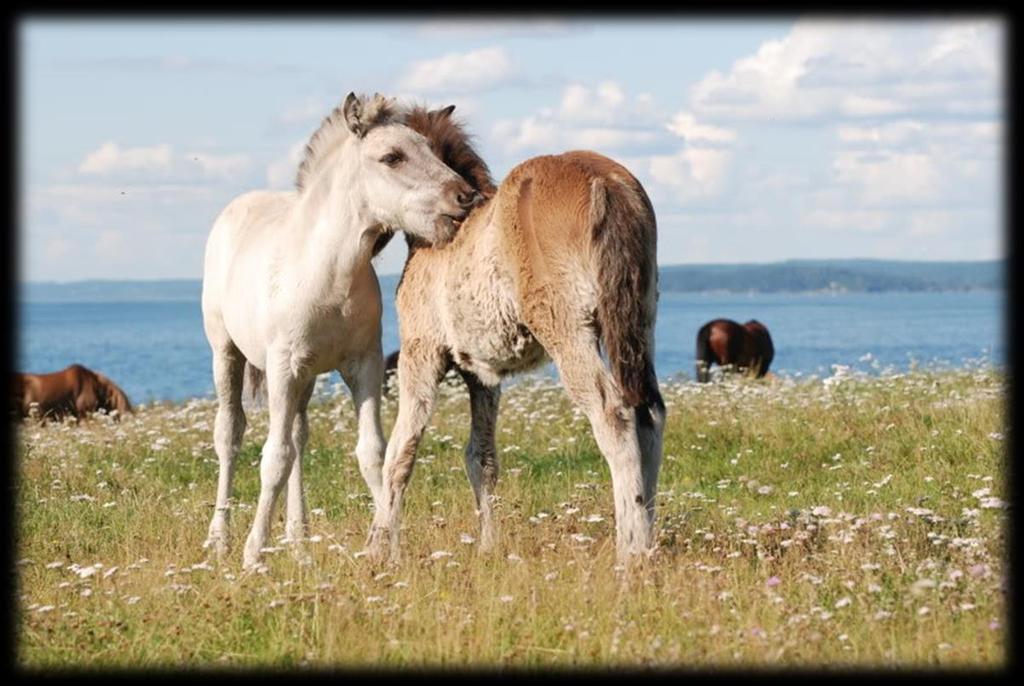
{"x":726,"y":342}
{"x":74,"y":391}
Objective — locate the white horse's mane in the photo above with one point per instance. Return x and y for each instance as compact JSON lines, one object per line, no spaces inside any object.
{"x":334,"y":131}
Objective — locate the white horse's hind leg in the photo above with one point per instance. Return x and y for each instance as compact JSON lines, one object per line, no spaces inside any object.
{"x":295,"y":519}
{"x":481,"y":453}
{"x":229,"y":426}
{"x":365,"y":378}
{"x":283,"y":394}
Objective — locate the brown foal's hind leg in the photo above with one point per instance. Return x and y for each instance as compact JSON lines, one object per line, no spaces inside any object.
{"x":481,"y":453}
{"x":421,"y":366}
{"x":592,"y":387}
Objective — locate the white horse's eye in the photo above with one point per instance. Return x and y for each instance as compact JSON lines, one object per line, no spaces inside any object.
{"x":393,"y":158}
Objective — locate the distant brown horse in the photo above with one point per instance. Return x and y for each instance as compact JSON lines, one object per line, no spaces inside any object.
{"x":75,"y":391}
{"x":726,"y":342}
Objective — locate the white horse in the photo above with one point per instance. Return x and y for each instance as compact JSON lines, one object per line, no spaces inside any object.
{"x":288,"y":288}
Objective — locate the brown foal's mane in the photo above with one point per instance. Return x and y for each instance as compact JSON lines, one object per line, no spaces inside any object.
{"x":452,"y":145}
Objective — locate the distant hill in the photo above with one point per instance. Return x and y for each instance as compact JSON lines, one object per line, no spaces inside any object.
{"x":861,"y":275}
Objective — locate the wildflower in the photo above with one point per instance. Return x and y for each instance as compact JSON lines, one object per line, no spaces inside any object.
{"x":842,"y":602}
{"x":772,"y":581}
{"x":921,"y":585}
{"x":438,"y":554}
{"x":86,"y":572}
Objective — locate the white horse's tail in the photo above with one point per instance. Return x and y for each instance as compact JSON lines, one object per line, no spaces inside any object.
{"x":254,"y":384}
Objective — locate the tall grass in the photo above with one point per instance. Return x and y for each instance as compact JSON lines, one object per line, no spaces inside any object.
{"x":850,"y":523}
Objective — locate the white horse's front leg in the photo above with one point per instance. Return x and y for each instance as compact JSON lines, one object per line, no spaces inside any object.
{"x":365,"y":378}
{"x":229,"y":426}
{"x":283,"y":395}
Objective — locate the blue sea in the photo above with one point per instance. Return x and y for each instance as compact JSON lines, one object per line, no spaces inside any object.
{"x":157,"y":350}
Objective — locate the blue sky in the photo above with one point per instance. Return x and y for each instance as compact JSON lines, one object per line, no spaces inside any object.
{"x":757,"y":140}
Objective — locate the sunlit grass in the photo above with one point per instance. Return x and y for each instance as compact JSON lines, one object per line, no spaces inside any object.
{"x":856,"y":522}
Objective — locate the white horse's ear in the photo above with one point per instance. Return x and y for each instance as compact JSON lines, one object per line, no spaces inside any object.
{"x":447,"y":111}
{"x":353,"y":113}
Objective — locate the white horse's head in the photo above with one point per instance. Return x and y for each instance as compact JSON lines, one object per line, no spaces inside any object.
{"x":406,"y":186}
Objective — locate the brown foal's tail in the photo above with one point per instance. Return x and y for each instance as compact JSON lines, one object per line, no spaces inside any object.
{"x":116,"y":399}
{"x":625,"y":238}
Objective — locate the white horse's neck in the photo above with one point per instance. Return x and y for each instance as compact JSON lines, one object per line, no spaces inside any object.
{"x":335,"y":229}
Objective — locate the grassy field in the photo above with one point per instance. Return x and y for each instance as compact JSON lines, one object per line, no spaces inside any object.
{"x":799,"y":523}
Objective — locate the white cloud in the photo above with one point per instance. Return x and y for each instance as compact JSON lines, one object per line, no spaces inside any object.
{"x":691,"y":172}
{"x":110,"y":157}
{"x":685,"y":125}
{"x":153,"y":231}
{"x":308,"y":111}
{"x":859,"y":220}
{"x":550,"y":136}
{"x":603,"y":118}
{"x":160,"y":162}
{"x":459,"y":72}
{"x":222,"y":166}
{"x":281,"y":172}
{"x":917,"y":133}
{"x":860,"y":69}
{"x":889,"y":176}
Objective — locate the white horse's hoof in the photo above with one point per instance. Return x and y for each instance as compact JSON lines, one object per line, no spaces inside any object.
{"x":218,"y":544}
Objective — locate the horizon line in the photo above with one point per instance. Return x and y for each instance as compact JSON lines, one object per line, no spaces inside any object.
{"x":660,"y":266}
